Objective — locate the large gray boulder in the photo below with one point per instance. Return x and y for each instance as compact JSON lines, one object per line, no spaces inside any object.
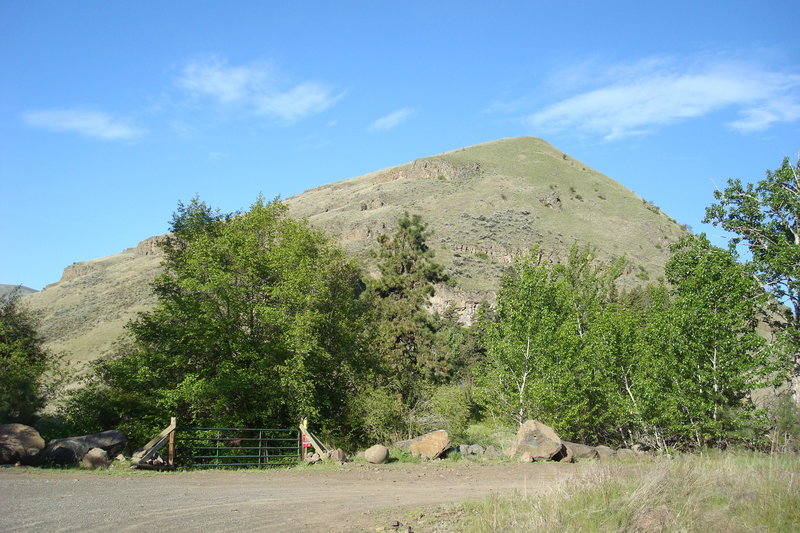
{"x":431,"y":445}
{"x":377,"y":454}
{"x":537,"y":441}
{"x":19,"y":443}
{"x":70,"y":451}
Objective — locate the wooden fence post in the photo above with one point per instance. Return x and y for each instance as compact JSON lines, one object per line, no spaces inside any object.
{"x":171,"y":450}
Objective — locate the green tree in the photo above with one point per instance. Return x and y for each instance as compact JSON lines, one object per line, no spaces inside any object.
{"x":258,"y":322}
{"x":765,"y":219}
{"x":534,"y":366}
{"x":25,"y":364}
{"x":404,"y":328}
{"x":705,"y":348}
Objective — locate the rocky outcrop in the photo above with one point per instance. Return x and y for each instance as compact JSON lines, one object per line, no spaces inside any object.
{"x":377,"y":454}
{"x":430,"y":168}
{"x":19,"y":443}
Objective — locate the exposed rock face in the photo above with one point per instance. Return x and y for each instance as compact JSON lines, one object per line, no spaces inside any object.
{"x":377,"y":454}
{"x":431,"y":445}
{"x":94,"y":459}
{"x":70,"y":451}
{"x":581,"y":451}
{"x":19,"y":442}
{"x":538,"y":440}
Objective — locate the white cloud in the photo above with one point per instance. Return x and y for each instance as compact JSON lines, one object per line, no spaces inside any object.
{"x":392,"y":120}
{"x":256,"y":88}
{"x":655,"y":92}
{"x":299,"y":102}
{"x":85,"y":122}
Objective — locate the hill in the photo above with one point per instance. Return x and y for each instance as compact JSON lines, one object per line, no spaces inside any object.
{"x":486,"y":204}
{"x":5,"y":290}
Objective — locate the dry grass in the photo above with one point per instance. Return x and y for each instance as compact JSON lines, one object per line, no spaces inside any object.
{"x":730,"y":492}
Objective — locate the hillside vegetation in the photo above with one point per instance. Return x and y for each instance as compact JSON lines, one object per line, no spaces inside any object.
{"x":485,"y":205}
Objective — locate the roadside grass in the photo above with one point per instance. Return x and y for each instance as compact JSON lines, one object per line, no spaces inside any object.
{"x":730,"y":491}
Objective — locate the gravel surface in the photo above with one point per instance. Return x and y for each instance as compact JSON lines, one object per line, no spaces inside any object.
{"x":354,"y":497}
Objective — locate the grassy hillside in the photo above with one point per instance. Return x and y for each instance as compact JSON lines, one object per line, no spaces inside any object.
{"x":485,"y":204}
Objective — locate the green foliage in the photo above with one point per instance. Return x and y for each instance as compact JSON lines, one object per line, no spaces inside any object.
{"x":258,"y":323}
{"x":379,"y":414}
{"x":707,"y":338}
{"x":404,"y":329}
{"x":661,"y":366}
{"x":765,"y":220}
{"x":449,"y":407}
{"x":534,"y":366}
{"x":29,"y":372}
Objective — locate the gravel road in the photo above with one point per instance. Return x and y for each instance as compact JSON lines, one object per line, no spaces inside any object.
{"x":354,"y":497}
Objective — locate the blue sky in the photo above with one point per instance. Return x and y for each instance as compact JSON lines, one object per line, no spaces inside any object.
{"x":112,"y":112}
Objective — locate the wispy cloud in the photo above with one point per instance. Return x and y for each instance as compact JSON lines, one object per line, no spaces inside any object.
{"x":303,"y":100}
{"x":636,"y":99}
{"x":96,"y":124}
{"x":392,"y":120}
{"x":256,"y":88}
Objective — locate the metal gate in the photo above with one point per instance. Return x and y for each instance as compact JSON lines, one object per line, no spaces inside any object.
{"x":236,"y":447}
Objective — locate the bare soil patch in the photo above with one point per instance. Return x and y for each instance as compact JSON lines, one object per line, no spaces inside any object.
{"x":355,"y":497}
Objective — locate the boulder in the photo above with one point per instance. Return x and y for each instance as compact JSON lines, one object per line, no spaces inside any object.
{"x":431,"y":445}
{"x":492,"y":453}
{"x":537,"y":439}
{"x":604,"y":453}
{"x":581,"y":451}
{"x":94,"y":459}
{"x":19,"y":443}
{"x":476,"y":449}
{"x":337,"y":456}
{"x":377,"y":454}
{"x":627,"y":454}
{"x":71,"y":450}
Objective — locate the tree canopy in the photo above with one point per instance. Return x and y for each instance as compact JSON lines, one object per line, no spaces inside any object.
{"x":24,"y":362}
{"x":258,"y":323}
{"x":764,"y":218}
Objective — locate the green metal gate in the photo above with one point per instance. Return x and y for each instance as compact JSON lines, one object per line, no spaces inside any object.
{"x":236,"y":447}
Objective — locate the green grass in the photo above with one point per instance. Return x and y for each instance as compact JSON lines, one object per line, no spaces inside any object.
{"x":730,"y":492}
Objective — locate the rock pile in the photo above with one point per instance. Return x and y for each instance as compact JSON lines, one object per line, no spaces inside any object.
{"x":72,"y":450}
{"x":21,"y":444}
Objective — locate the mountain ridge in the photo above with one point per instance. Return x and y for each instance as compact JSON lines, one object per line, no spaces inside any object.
{"x":485,"y":204}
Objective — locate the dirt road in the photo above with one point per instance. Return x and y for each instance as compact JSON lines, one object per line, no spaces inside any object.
{"x":355,"y":497}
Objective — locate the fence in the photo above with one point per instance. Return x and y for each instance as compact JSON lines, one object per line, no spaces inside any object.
{"x":236,"y":447}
